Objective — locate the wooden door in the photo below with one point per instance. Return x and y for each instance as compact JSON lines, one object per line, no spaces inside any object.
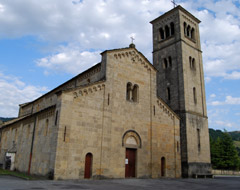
{"x":130,"y":162}
{"x":88,"y":166}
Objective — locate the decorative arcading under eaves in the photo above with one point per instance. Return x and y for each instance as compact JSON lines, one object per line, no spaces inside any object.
{"x":88,"y":90}
{"x":135,"y":57}
{"x":165,"y":109}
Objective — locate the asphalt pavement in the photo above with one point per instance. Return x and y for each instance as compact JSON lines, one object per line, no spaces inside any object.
{"x":218,"y":183}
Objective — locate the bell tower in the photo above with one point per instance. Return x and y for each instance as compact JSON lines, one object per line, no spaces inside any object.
{"x":177,"y":56}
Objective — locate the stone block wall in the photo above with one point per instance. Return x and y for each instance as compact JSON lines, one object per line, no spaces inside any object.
{"x":18,"y":137}
{"x":97,"y":118}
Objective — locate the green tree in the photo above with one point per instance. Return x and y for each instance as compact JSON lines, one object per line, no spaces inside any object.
{"x":229,"y":154}
{"x":216,"y":152}
{"x":223,"y":153}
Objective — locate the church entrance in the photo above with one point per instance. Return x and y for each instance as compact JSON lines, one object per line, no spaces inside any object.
{"x":130,"y":162}
{"x":88,"y":166}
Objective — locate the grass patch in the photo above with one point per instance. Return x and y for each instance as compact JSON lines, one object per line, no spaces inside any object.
{"x":17,"y":174}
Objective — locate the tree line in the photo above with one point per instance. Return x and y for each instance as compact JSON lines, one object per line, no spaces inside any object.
{"x":224,"y":154}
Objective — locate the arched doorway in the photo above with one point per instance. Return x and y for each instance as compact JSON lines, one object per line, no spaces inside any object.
{"x":132,"y":142}
{"x":88,"y":166}
{"x":163,"y":166}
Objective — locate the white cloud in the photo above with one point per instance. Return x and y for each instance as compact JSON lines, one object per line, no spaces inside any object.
{"x":216,"y":103}
{"x":92,"y":24}
{"x":225,"y":124}
{"x":106,"y":24}
{"x":1,"y":8}
{"x":234,"y":75}
{"x":233,"y":101}
{"x":223,"y":118}
{"x":207,"y":79}
{"x":14,"y":92}
{"x":229,"y":100}
{"x":220,"y":35}
{"x":212,"y":95}
{"x":69,"y":60}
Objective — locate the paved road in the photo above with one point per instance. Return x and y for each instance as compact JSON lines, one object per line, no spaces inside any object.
{"x":219,"y":183}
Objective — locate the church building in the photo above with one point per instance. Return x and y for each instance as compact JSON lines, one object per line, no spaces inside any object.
{"x":122,"y":118}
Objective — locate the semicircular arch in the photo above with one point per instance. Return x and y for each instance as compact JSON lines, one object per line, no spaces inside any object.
{"x":131,"y":139}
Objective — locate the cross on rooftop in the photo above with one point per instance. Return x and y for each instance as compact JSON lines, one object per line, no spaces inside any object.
{"x":174,"y":3}
{"x":132,"y":39}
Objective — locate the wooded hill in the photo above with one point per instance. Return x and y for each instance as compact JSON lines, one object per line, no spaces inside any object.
{"x":4,"y":119}
{"x":225,"y":149}
{"x":214,"y":134}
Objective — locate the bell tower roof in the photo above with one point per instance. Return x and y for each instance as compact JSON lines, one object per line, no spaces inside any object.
{"x":173,"y":10}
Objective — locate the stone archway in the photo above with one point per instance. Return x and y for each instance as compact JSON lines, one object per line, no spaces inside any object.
{"x":88,"y":166}
{"x":131,"y":141}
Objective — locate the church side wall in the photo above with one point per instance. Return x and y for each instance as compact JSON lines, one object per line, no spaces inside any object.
{"x":80,"y":132}
{"x":18,"y":138}
{"x":166,"y":141}
{"x":44,"y":147}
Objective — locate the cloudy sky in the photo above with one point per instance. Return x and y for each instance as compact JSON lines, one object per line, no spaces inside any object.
{"x":44,"y":43}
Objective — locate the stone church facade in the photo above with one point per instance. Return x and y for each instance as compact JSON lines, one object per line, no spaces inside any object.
{"x":122,"y":118}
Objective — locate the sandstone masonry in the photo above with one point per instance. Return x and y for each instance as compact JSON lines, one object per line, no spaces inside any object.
{"x":124,"y":117}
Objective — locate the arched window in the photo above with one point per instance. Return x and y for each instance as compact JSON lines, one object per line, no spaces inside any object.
{"x":193,"y":64}
{"x":161,"y":33}
{"x":135,"y":93}
{"x":129,"y":91}
{"x":165,"y":63}
{"x":198,"y":140}
{"x":188,"y":31}
{"x":167,"y":31}
{"x":46,"y":127}
{"x":185,"y":28}
{"x":88,"y":166}
{"x":56,"y":118}
{"x":170,"y":61}
{"x":193,"y":34}
{"x":194,"y":95}
{"x":15,"y":135}
{"x":190,"y":61}
{"x":65,"y":134}
{"x":28,"y":131}
{"x":172,"y":28}
{"x":163,"y":166}
{"x":168,"y":94}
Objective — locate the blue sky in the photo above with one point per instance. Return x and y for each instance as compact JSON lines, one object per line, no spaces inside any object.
{"x":44,"y":43}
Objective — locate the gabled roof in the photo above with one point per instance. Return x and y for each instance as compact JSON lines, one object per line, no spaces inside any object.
{"x":88,"y":70}
{"x":72,"y":79}
{"x":133,"y":48}
{"x":173,"y":10}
